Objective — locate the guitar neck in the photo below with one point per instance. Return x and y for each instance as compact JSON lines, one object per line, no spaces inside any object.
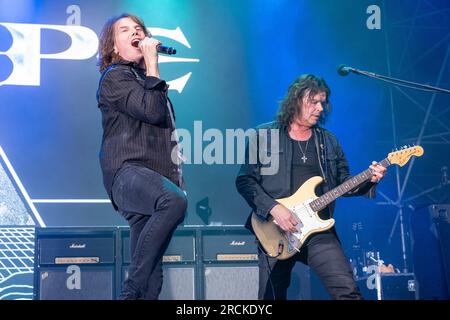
{"x":323,"y":201}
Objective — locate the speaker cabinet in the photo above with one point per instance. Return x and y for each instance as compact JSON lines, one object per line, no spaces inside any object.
{"x":178,"y":282}
{"x":231,"y":282}
{"x":75,"y":264}
{"x":230,"y":263}
{"x":215,"y":263}
{"x":178,"y":264}
{"x":75,"y":282}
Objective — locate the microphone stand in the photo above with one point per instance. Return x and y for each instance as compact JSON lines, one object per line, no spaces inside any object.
{"x":400,"y":82}
{"x":399,"y":203}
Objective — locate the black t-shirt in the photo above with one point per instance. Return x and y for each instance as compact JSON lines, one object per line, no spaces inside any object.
{"x":305,"y":165}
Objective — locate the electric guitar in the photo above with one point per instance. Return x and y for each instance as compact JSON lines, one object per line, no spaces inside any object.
{"x":305,"y":205}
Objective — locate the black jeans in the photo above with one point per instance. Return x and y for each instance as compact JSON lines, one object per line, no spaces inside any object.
{"x":153,"y":207}
{"x":323,"y":254}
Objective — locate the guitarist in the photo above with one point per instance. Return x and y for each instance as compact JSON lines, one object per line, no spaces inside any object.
{"x":305,"y":150}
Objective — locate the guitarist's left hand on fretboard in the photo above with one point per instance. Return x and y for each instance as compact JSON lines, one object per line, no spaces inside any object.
{"x":378,"y":172}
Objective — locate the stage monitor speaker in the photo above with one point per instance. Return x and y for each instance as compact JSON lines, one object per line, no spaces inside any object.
{"x":75,"y":264}
{"x":178,"y":264}
{"x":393,"y":286}
{"x":230,"y":264}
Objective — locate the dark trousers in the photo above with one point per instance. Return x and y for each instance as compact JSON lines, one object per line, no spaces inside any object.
{"x":323,"y":254}
{"x":153,"y":207}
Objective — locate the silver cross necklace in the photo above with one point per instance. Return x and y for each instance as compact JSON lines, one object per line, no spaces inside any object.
{"x":304,"y":158}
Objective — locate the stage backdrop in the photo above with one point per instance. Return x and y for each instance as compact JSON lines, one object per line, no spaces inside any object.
{"x":234,"y":62}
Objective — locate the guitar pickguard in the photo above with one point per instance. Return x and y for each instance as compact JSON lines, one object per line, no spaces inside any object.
{"x":308,"y":223}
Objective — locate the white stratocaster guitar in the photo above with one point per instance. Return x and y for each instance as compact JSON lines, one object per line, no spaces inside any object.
{"x":305,"y":206}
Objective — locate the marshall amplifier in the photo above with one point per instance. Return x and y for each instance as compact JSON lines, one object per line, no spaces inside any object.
{"x":230,"y":263}
{"x":178,"y":264}
{"x":75,"y":263}
{"x":228,"y":244}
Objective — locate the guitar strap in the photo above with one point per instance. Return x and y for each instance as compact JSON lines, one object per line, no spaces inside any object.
{"x":322,"y":152}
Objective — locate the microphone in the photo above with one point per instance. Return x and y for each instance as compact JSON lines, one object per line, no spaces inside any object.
{"x":343,"y":70}
{"x":160,"y":48}
{"x":166,"y":50}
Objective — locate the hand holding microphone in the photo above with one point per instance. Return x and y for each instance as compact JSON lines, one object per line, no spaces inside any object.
{"x":148,"y":47}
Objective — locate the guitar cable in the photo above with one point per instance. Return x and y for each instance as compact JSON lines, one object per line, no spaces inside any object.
{"x":269,"y":270}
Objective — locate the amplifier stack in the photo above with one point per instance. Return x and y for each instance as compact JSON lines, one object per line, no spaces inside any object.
{"x":201,"y":262}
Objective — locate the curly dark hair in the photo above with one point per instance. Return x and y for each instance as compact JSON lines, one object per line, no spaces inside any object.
{"x":106,"y":54}
{"x":290,"y":105}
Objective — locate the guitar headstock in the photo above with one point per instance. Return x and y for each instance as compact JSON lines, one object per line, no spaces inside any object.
{"x":401,"y":157}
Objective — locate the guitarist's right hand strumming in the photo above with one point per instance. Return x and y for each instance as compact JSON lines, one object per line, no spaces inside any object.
{"x":284,"y":218}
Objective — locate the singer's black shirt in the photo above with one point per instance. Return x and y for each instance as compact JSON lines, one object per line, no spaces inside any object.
{"x":137,"y":124}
